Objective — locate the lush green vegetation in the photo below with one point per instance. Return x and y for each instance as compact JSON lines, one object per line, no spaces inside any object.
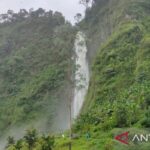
{"x":118,"y":98}
{"x":119,"y":89}
{"x":35,"y":53}
{"x":31,"y":141}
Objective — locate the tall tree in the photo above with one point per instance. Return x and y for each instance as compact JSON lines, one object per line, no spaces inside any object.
{"x":23,"y":13}
{"x":40,"y":12}
{"x":31,"y":137}
{"x":10,"y":142}
{"x":10,"y":13}
{"x":4,"y":17}
{"x":85,"y":3}
{"x":78,"y":17}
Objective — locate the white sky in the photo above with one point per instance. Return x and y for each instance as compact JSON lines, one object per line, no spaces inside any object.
{"x":69,"y":8}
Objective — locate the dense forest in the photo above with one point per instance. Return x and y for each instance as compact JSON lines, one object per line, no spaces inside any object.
{"x":36,"y":49}
{"x":35,"y":58}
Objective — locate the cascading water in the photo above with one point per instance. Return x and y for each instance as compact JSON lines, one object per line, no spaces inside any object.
{"x":66,"y":114}
{"x":81,"y":73}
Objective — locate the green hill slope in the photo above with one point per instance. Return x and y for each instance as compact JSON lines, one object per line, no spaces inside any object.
{"x":118,"y":95}
{"x":35,"y":51}
{"x":120,"y":73}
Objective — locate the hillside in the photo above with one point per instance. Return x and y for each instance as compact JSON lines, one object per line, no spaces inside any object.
{"x":123,"y":58}
{"x":118,"y":96}
{"x":118,"y":41}
{"x":35,"y":52}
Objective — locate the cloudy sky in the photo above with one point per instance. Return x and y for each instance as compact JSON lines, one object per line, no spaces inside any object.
{"x":68,"y":7}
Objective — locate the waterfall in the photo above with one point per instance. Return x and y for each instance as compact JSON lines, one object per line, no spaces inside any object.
{"x":81,"y":73}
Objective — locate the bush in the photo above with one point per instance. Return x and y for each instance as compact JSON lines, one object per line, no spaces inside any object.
{"x":121,"y":116}
{"x":146,"y":120}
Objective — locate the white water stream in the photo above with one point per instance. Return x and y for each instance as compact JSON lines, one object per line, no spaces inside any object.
{"x":81,"y":73}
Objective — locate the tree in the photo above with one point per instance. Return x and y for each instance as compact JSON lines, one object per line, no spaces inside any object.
{"x":78,"y":17}
{"x":85,"y":3}
{"x":31,"y":137}
{"x":10,"y":141}
{"x":31,"y":13}
{"x":12,"y":147}
{"x":4,"y":17}
{"x":48,"y":142}
{"x":19,"y":144}
{"x":58,"y":18}
{"x":37,"y":13}
{"x":23,"y":13}
{"x":40,"y":12}
{"x":10,"y":13}
{"x":49,"y":15}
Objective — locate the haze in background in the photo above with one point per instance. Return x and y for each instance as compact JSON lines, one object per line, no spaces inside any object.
{"x":69,"y":8}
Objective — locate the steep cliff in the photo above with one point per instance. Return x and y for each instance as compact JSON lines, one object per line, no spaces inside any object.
{"x":35,"y":53}
{"x":118,"y":38}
